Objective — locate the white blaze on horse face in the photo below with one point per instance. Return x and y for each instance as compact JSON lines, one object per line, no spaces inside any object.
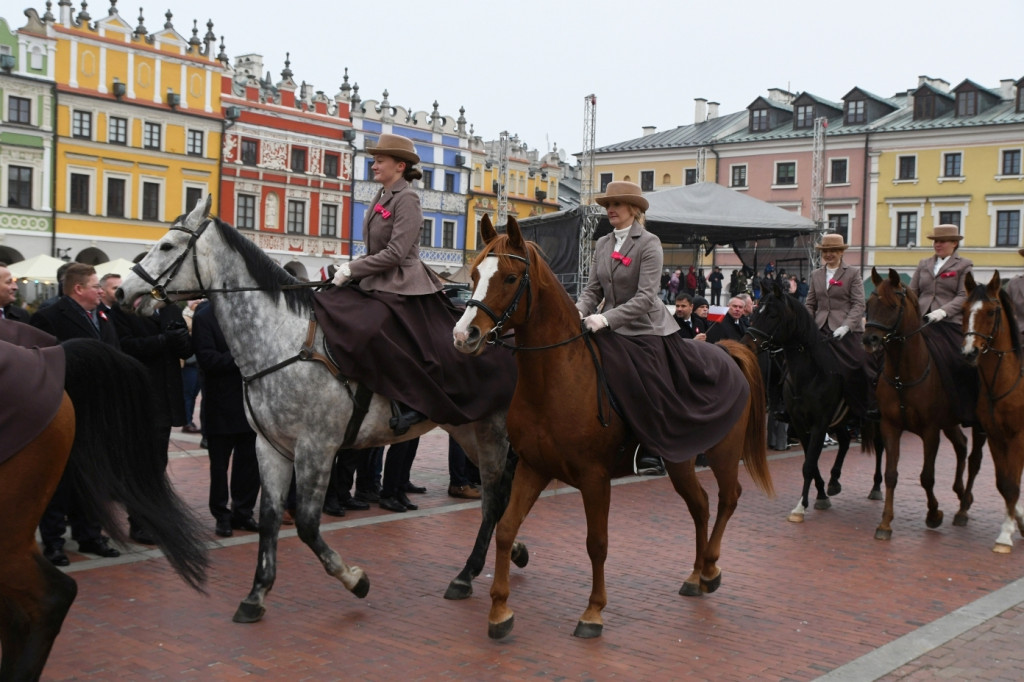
{"x":486,"y":270}
{"x":969,"y":336}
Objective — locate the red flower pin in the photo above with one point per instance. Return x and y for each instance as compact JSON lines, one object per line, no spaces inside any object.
{"x":625,"y":260}
{"x":947,"y":275}
{"x":103,"y":316}
{"x":383,"y":211}
{"x":835,"y":283}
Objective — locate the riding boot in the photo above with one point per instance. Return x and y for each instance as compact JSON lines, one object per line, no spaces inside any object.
{"x":403,"y":417}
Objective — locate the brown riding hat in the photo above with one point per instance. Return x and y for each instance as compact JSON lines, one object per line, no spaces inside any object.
{"x":624,"y":192}
{"x":396,"y":146}
{"x":832,"y":241}
{"x":946,"y":233}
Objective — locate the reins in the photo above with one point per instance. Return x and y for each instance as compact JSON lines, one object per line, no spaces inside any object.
{"x":989,"y":340}
{"x":892,"y":337}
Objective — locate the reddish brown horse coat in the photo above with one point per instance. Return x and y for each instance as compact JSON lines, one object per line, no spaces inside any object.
{"x":992,"y":342}
{"x":554,"y":427}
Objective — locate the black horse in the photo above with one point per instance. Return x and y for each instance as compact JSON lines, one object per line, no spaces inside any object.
{"x":812,"y":390}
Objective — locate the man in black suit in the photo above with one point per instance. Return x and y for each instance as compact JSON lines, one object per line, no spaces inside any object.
{"x":8,"y":294}
{"x":74,"y":315}
{"x":733,"y":327}
{"x":690,"y":326}
{"x":228,"y":433}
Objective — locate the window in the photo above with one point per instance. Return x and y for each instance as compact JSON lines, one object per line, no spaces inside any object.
{"x":967,"y":103}
{"x":1007,"y":228}
{"x":690,"y":176}
{"x":647,"y":181}
{"x":151,"y":135}
{"x":329,"y":220}
{"x":449,"y":182}
{"x":605,"y":179}
{"x":949,"y":218}
{"x":117,"y":130}
{"x":150,"y":201}
{"x":924,"y":107}
{"x":840,"y":224}
{"x":1011,"y":162}
{"x":81,"y":124}
{"x":856,"y":111}
{"x":331,"y":165}
{"x":369,"y":169}
{"x":298,"y":160}
{"x":115,"y":197}
{"x":193,"y":195}
{"x":785,"y":173}
{"x":19,"y":187}
{"x":838,"y":168}
{"x":19,"y":110}
{"x":296,"y":217}
{"x":194,"y":144}
{"x":907,"y":168}
{"x":804,"y":116}
{"x":448,"y":234}
{"x":952,"y":165}
{"x":79,"y":193}
{"x":245,"y":215}
{"x":428,"y":178}
{"x":250,"y":152}
{"x":906,"y":229}
{"x":738,"y":176}
{"x":426,"y":232}
{"x":759,"y":120}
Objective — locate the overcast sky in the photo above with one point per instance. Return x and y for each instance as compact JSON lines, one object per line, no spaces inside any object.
{"x":526,"y":65}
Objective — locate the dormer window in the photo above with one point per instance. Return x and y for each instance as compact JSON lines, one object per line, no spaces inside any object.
{"x":924,"y":107}
{"x":1020,"y":98}
{"x":759,"y":120}
{"x":966,"y":103}
{"x":804,"y":116}
{"x":856,"y":111}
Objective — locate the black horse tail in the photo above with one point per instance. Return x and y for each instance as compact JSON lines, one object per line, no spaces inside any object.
{"x":869,"y":434}
{"x":116,"y":457}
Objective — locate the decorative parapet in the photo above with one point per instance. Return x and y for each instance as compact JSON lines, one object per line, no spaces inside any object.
{"x":294,"y":243}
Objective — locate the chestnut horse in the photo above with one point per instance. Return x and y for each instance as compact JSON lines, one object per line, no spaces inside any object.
{"x":992,"y":343}
{"x":911,"y":398}
{"x":552,"y":425}
{"x":102,"y":436}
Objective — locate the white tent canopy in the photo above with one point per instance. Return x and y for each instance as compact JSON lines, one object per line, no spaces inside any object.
{"x":41,"y":268}
{"x":119,"y":266}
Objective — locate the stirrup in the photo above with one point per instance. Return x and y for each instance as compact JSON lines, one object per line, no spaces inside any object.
{"x":403,"y":417}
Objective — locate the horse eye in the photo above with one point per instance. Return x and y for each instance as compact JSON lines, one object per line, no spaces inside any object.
{"x":511,"y":279}
{"x":166,"y":247}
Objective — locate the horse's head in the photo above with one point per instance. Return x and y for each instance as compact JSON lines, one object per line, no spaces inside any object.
{"x":167,"y":261}
{"x":890,"y":308}
{"x":984,"y":323}
{"x":501,"y":278}
{"x":774,"y":323}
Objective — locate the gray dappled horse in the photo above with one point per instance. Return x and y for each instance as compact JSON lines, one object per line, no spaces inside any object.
{"x":299,"y":409}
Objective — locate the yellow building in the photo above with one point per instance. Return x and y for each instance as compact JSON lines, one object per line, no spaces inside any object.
{"x":139,"y":128}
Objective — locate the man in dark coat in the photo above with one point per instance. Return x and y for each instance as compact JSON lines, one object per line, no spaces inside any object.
{"x":733,"y":327}
{"x":227,"y":429}
{"x":8,"y":294}
{"x":74,"y":316}
{"x":691,"y":326}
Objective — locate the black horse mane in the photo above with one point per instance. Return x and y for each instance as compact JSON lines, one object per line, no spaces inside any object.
{"x":980,"y":292}
{"x":803,"y":321}
{"x":269,"y":275}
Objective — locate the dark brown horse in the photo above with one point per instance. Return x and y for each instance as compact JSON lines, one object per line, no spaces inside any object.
{"x":911,"y":398}
{"x":102,"y":436}
{"x":992,"y":343}
{"x":553,"y":424}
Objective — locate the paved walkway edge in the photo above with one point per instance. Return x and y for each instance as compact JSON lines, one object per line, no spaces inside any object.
{"x":899,"y":652}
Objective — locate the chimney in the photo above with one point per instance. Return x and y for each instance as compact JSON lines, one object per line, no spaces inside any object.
{"x":700,"y":110}
{"x":780,"y":95}
{"x":712,"y":110}
{"x":937,"y":83}
{"x":649,"y":130}
{"x":1006,"y":88}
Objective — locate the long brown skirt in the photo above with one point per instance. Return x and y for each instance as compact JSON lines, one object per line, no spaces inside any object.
{"x":959,"y":379}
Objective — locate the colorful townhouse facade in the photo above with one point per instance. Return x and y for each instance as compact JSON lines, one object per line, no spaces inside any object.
{"x":26,"y":140}
{"x":286,"y":176}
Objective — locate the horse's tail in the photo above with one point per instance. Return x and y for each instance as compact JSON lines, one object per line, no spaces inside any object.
{"x":116,"y":456}
{"x":869,"y":429}
{"x":755,"y":444}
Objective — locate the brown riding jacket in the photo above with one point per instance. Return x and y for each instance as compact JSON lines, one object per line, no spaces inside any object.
{"x":945,"y":290}
{"x":837,"y":305}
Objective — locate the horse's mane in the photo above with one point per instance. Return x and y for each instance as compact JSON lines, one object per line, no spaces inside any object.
{"x":541,"y":274}
{"x":269,"y":275}
{"x":805,"y":329}
{"x":980,"y":292}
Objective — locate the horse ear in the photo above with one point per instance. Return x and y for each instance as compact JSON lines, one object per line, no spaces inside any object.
{"x":876,"y":279}
{"x":894,"y":278}
{"x":199,"y":212}
{"x":515,"y":236}
{"x":776,"y":289}
{"x":969,"y":283}
{"x":993,"y":284}
{"x":487,"y":230}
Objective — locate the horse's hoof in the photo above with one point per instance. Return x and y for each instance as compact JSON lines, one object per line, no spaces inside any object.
{"x":881,"y":534}
{"x":795,"y":518}
{"x":248,"y":613}
{"x":960,"y":520}
{"x":875,"y":495}
{"x":587,"y":630}
{"x":691,"y":590}
{"x":520,"y":555}
{"x":834,"y":488}
{"x":823,"y":504}
{"x":502,"y":629}
{"x":933,"y":521}
{"x":710,"y":586}
{"x":1002,"y":549}
{"x":458,"y":590}
{"x":362,"y":587}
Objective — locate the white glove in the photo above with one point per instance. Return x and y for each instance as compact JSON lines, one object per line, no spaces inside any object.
{"x":580,"y":312}
{"x":595,"y":322}
{"x":936,"y":315}
{"x":342,"y":275}
{"x":841,"y":332}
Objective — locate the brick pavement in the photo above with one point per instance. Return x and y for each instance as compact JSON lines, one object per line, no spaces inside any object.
{"x":797,"y":601}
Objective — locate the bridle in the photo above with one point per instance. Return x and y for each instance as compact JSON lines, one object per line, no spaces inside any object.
{"x":891,"y":336}
{"x":987,"y":347}
{"x":510,"y":309}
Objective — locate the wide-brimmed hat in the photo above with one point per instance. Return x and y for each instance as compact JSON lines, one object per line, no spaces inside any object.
{"x":832,"y":241}
{"x":397,"y":146}
{"x":624,"y":192}
{"x":946,"y":233}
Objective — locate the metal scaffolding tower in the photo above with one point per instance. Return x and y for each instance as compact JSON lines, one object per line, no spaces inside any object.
{"x":587,"y":192}
{"x":503,"y":154}
{"x":818,"y":180}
